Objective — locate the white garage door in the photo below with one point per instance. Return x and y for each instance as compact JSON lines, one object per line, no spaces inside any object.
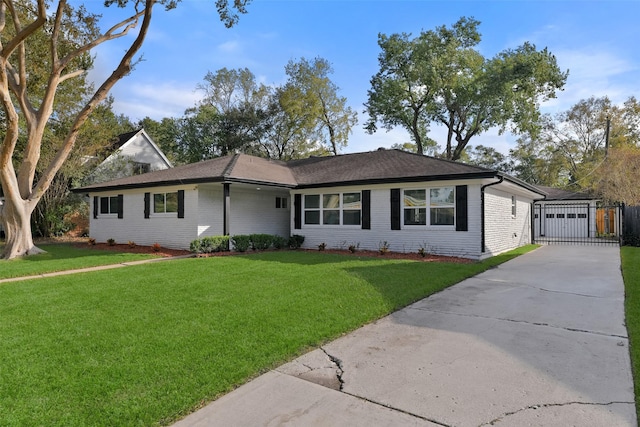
{"x":563,"y":221}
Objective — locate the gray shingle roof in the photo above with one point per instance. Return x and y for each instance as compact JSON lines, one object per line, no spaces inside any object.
{"x":357,"y":168}
{"x":238,"y":167}
{"x":380,"y":165}
{"x":558,"y":194}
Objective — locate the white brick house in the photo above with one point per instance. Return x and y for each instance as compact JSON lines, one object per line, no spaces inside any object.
{"x":365,"y":199}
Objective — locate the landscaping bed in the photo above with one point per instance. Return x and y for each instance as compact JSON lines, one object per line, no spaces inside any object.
{"x":166,"y":252}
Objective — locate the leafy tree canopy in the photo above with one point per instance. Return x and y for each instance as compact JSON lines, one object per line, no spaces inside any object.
{"x":440,"y":77}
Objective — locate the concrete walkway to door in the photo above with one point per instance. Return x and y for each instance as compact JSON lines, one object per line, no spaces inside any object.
{"x":537,"y":341}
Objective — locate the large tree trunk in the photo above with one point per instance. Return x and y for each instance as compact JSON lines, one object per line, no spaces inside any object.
{"x":17,"y":228}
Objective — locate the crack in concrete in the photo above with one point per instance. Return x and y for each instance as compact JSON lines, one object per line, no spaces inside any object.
{"x":551,"y":405}
{"x":393,"y":408}
{"x":477,"y":316}
{"x":517,"y":285}
{"x":339,"y":375}
{"x":339,"y":370}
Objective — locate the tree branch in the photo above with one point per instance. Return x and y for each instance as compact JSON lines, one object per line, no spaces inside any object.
{"x":110,"y":34}
{"x":23,"y":33}
{"x":124,"y":67}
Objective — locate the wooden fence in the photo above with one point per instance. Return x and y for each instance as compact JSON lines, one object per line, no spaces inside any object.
{"x":631,"y":226}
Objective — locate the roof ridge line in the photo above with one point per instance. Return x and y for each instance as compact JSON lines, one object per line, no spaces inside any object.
{"x":232,"y":163}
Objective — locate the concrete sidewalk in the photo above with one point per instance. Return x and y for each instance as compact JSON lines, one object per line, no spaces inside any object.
{"x":538,"y":341}
{"x":94,"y":268}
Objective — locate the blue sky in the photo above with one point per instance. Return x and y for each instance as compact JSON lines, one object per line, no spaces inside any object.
{"x":597,"y":41}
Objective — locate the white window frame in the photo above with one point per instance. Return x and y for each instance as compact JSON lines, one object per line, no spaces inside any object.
{"x":109,"y":213}
{"x":341,"y":208}
{"x":514,"y":206}
{"x":427,"y":207}
{"x":164,"y":212}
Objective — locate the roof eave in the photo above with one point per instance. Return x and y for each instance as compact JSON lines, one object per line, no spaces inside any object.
{"x":397,"y":180}
{"x":167,"y":183}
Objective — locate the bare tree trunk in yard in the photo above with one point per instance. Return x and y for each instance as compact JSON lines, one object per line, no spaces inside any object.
{"x":17,"y":226}
{"x":21,"y":191}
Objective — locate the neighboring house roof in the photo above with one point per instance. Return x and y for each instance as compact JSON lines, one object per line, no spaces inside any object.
{"x":557,"y":194}
{"x":124,"y":140}
{"x":381,"y":166}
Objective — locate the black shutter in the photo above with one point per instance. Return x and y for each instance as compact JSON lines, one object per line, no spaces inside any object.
{"x":180,"y":203}
{"x":366,"y":209}
{"x":395,"y":209}
{"x":96,"y":202}
{"x":462,"y":223}
{"x":147,"y":205}
{"x":297,"y":215}
{"x":120,"y":206}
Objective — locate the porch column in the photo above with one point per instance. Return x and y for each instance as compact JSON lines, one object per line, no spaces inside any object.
{"x":226,"y":208}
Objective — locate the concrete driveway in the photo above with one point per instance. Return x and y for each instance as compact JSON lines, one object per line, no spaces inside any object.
{"x":538,"y":341}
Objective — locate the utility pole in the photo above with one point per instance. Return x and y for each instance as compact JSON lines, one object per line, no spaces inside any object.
{"x":606,"y":137}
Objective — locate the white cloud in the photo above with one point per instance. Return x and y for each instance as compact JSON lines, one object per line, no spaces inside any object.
{"x":593,"y":71}
{"x":155,"y":100}
{"x":231,"y":46}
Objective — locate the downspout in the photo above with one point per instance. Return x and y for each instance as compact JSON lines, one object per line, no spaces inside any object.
{"x":226,"y":209}
{"x":482,"y":216}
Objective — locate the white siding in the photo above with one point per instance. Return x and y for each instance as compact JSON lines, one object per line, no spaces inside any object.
{"x":167,"y":229}
{"x":140,"y":149}
{"x":437,"y":240}
{"x":503,"y":231}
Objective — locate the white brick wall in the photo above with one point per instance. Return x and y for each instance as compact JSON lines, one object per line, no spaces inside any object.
{"x":252,"y":211}
{"x":210,"y":211}
{"x":166,"y":229}
{"x":503,"y":231}
{"x":438,"y":240}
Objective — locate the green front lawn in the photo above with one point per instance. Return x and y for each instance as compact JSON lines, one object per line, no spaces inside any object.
{"x":147,"y":344}
{"x":62,"y":257}
{"x":631,"y":274}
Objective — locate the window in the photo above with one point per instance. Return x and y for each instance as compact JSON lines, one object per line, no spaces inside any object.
{"x":109,"y":205}
{"x":582,"y":215}
{"x":560,"y":216}
{"x":351,"y":207}
{"x":513,"y":206}
{"x":442,"y":202}
{"x":571,"y":216}
{"x":332,"y":209}
{"x":440,"y":206}
{"x":140,"y":168}
{"x":312,"y":209}
{"x":415,"y":207}
{"x":550,"y":216}
{"x":281,"y":203}
{"x":165,"y":202}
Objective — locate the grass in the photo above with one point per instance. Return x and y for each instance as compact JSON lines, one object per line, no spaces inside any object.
{"x":631,"y":274}
{"x":62,"y":257}
{"x":147,"y":344}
